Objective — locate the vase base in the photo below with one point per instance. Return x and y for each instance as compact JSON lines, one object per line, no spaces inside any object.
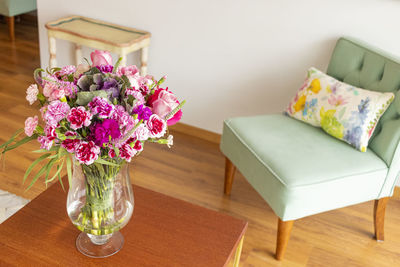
{"x":87,"y":248}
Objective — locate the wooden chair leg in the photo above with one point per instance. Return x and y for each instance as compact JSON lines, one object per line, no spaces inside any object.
{"x":10,"y":23}
{"x":284,"y":229}
{"x":230,"y":170}
{"x":379,"y":217}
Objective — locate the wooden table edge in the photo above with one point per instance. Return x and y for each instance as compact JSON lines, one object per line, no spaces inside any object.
{"x":146,"y":35}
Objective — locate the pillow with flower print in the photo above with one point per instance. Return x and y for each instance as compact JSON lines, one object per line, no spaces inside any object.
{"x":342,"y":110}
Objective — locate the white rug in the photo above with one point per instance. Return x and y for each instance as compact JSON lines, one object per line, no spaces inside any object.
{"x":10,"y":204}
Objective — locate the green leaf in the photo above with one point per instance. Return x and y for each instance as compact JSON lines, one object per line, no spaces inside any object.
{"x":104,"y":162}
{"x":83,"y":98}
{"x":59,"y":178}
{"x":59,"y":168}
{"x":18,"y":132}
{"x":69,"y":170}
{"x":40,"y":173}
{"x":21,"y":142}
{"x":28,"y":171}
{"x":117,"y":65}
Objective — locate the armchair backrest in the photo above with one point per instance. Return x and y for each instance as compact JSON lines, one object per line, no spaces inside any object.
{"x":363,"y":66}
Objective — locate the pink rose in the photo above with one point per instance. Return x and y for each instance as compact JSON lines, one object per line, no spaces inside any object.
{"x":70,"y":144}
{"x":126,"y":152}
{"x":79,"y":117}
{"x":30,"y":125}
{"x":31,"y":93}
{"x":55,"y":112}
{"x":162,"y":103}
{"x":157,"y":126}
{"x":100,"y":58}
{"x":87,"y":152}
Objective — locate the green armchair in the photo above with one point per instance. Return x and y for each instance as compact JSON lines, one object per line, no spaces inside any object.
{"x":11,"y":8}
{"x":300,"y":170}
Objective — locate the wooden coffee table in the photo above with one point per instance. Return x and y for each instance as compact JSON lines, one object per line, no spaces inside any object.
{"x":163,"y":231}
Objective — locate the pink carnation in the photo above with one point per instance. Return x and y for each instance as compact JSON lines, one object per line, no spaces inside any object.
{"x":126,"y":152}
{"x":141,"y":133}
{"x":79,"y":117}
{"x":70,"y":144}
{"x":141,"y":83}
{"x":128,"y":71}
{"x":55,"y":112}
{"x":100,"y":106}
{"x":156,"y":126}
{"x":137,"y":94}
{"x":31,"y":93}
{"x":52,"y":91}
{"x":46,"y":142}
{"x":67,"y":70}
{"x":30,"y":125}
{"x":125,"y":121}
{"x":87,"y":152}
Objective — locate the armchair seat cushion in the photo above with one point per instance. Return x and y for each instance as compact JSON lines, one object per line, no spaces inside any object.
{"x":299,"y":169}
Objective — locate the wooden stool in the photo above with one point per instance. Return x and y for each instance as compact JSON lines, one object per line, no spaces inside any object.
{"x":99,"y":35}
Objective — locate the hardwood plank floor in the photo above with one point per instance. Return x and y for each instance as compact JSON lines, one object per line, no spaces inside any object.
{"x":193,"y":170}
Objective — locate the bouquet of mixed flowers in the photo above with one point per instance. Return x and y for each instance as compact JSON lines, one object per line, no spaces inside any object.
{"x":100,"y":114}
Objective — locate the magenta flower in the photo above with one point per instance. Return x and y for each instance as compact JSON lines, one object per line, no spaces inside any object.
{"x":46,"y":142}
{"x":156,"y":126}
{"x":79,"y":117}
{"x":127,"y":152}
{"x":100,"y":106}
{"x":101,"y":132}
{"x":143,"y":112}
{"x":30,"y":125}
{"x":56,"y":111}
{"x":70,"y":144}
{"x":87,"y":152}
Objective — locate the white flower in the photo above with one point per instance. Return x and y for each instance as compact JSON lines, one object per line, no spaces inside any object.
{"x":170,"y":140}
{"x":31,"y":93}
{"x":142,"y":133}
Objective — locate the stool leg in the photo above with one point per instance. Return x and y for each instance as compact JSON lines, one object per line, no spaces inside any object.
{"x":52,"y":50}
{"x":144,"y":57}
{"x":78,"y":54}
{"x":10,"y":23}
{"x":123,"y":60}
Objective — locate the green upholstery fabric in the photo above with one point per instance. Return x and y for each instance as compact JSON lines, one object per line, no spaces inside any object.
{"x":300,"y":170}
{"x":16,"y":7}
{"x":361,"y":65}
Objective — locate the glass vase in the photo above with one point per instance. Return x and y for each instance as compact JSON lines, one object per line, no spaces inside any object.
{"x":100,"y":202}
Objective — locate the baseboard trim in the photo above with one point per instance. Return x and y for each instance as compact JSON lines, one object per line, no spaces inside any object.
{"x":196,"y":132}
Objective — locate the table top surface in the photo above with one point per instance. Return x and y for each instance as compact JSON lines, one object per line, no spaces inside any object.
{"x":98,"y":30}
{"x":163,"y":231}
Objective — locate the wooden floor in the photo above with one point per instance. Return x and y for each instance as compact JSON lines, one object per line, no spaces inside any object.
{"x":193,"y":171}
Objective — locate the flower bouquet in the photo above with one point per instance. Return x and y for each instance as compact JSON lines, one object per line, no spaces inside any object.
{"x":99,"y":115}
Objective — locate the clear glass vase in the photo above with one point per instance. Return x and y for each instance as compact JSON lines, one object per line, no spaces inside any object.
{"x":100,"y":202}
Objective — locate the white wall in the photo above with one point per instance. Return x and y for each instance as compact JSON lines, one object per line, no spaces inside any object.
{"x":234,"y":57}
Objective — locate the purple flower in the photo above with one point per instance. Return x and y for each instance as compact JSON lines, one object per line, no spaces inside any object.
{"x":105,"y":68}
{"x":101,"y":132}
{"x":100,"y":106}
{"x":111,"y":85}
{"x":143,"y":112}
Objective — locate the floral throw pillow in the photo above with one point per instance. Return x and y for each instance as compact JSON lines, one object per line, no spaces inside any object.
{"x":342,"y":110}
